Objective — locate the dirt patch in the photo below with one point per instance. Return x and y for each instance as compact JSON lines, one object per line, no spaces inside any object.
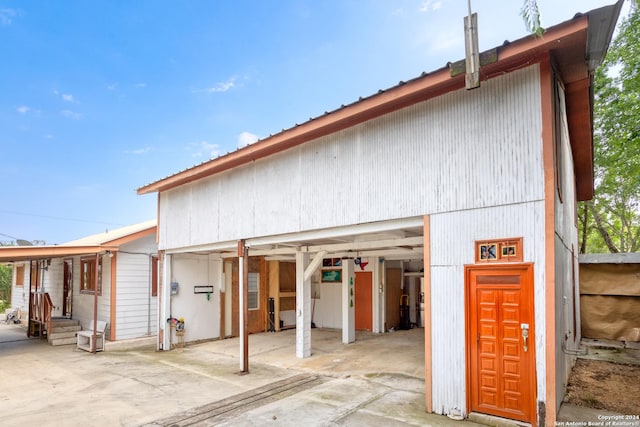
{"x":605,"y":385}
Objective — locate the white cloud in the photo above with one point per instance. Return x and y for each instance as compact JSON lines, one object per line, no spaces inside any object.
{"x":71,"y":115}
{"x":7,"y":15}
{"x":67,"y":97}
{"x":219,"y":87}
{"x":112,"y":86}
{"x":204,"y":148}
{"x":246,"y":138}
{"x":23,"y":109}
{"x":141,"y":85}
{"x":144,"y":150}
{"x":48,"y":136}
{"x":429,"y":5}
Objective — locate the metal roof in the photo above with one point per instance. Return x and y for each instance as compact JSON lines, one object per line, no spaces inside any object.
{"x":95,"y":244}
{"x":580,"y":43}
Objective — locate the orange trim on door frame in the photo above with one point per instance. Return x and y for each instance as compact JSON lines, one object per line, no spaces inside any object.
{"x":548,"y":131}
{"x":532,"y":330}
{"x":426,"y":262}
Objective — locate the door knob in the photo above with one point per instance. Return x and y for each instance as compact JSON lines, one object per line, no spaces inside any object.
{"x":525,"y":334}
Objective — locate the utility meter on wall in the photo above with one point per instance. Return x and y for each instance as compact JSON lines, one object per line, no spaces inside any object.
{"x":175,"y":287}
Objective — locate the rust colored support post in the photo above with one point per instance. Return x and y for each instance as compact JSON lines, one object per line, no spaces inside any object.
{"x":245,"y":308}
{"x":243,"y":255}
{"x":95,"y":304}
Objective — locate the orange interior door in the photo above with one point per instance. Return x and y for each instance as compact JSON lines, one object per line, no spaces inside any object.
{"x":363,"y":301}
{"x":500,"y":341}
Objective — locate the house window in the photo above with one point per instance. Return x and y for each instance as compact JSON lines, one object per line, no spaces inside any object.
{"x":88,"y":275}
{"x":154,"y":276}
{"x":20,"y":276}
{"x":253,"y":301}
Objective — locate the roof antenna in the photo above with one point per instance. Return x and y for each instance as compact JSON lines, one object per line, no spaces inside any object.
{"x":472,"y":57}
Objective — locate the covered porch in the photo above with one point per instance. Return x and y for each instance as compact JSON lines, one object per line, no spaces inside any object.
{"x":45,"y":276}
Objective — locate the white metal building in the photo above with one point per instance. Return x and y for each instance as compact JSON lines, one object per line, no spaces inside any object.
{"x":475,"y":191}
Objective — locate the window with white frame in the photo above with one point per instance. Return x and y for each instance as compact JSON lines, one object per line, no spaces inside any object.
{"x":253,"y":301}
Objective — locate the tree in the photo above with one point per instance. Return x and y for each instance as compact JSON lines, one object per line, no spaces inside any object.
{"x":531,"y":15}
{"x":5,"y":284}
{"x":611,"y":221}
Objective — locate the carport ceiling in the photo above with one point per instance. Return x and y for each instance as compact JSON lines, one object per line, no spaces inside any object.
{"x":406,"y":243}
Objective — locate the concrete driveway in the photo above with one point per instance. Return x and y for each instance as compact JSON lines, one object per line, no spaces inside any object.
{"x":379,"y":380}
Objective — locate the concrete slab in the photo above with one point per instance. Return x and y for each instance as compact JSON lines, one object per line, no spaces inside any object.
{"x":627,"y":356}
{"x":363,"y":382}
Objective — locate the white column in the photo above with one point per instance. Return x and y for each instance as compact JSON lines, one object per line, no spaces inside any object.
{"x":376,"y":282}
{"x":303,"y":307}
{"x":165,"y":303}
{"x":228,"y":299}
{"x":348,"y":302}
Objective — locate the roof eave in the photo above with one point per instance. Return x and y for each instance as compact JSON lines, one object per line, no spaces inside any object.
{"x":579,"y":97}
{"x":32,"y":253}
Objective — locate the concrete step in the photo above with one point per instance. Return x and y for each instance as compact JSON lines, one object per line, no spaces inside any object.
{"x":490,"y":420}
{"x":64,"y":322}
{"x":61,"y":335}
{"x":63,"y":341}
{"x":61,"y":329}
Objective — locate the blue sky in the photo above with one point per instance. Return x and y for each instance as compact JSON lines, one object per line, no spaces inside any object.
{"x":99,"y":98}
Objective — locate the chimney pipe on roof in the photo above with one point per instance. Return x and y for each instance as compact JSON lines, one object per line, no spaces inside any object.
{"x":472,"y":54}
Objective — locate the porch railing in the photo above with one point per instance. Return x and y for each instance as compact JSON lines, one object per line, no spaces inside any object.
{"x":40,"y":307}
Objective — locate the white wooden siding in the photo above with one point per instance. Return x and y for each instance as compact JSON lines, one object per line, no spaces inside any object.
{"x":452,"y":246}
{"x":83,"y":302}
{"x":20,"y":294}
{"x":462,"y":150}
{"x":136,"y":309}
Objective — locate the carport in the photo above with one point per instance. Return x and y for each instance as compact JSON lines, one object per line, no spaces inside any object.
{"x":367,"y":248}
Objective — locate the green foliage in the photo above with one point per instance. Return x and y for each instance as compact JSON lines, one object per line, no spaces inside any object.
{"x":531,"y":15}
{"x":611,"y":221}
{"x":5,"y":286}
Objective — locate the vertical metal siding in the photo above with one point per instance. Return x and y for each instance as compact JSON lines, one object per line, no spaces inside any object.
{"x":459,"y":151}
{"x":452,"y":246}
{"x":566,"y":239}
{"x":277,"y":194}
{"x":448,"y":357}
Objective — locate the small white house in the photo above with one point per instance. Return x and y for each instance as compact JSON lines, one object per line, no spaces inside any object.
{"x":111,"y":276}
{"x":339,"y":218}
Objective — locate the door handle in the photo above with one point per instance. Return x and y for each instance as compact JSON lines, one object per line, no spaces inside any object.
{"x":525,"y":335}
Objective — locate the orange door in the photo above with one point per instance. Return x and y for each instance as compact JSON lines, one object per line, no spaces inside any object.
{"x":363,"y":301}
{"x":501,"y":359}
